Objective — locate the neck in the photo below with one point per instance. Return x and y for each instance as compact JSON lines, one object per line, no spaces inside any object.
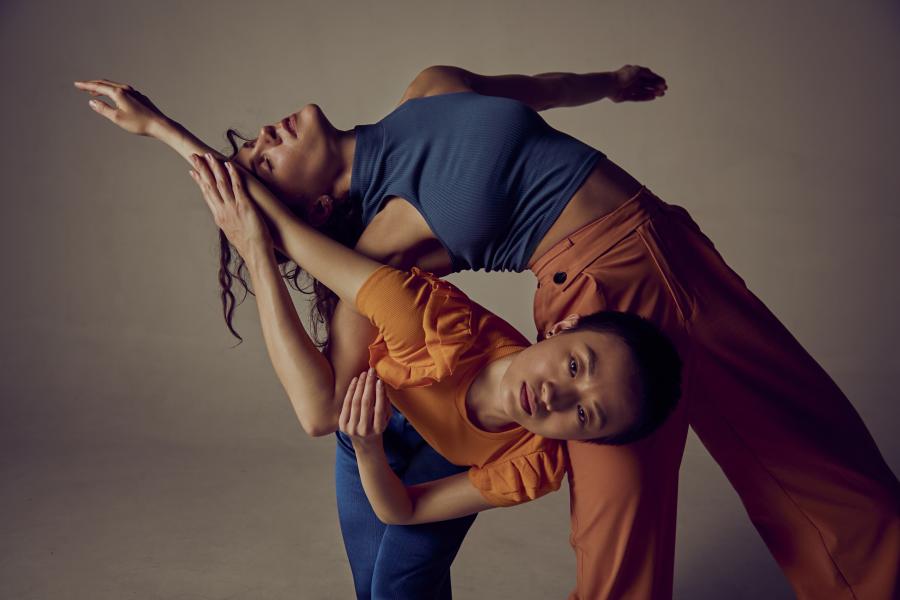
{"x":484,"y":401}
{"x":344,"y":146}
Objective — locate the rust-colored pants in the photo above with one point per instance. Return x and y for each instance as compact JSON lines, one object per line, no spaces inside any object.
{"x":798,"y":454}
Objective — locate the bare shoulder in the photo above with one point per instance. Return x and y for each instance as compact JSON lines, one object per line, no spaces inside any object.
{"x":436,"y":80}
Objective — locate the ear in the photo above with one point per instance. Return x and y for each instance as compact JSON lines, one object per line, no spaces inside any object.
{"x":569,"y":322}
{"x":320,"y":210}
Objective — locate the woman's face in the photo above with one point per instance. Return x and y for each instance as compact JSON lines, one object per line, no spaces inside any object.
{"x":296,"y":157}
{"x":575,"y":386}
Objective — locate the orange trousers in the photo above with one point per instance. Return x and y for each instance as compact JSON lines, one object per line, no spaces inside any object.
{"x":803,"y":463}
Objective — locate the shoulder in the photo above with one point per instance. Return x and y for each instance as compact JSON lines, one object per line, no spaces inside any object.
{"x":436,"y":80}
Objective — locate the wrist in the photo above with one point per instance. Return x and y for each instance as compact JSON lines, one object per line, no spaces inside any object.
{"x":368,"y":447}
{"x":162,"y":129}
{"x":258,"y":254}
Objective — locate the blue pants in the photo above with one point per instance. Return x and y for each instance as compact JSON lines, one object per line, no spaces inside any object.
{"x":397,"y":561}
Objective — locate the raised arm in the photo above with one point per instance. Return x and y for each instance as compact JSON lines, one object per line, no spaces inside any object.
{"x":134,"y":112}
{"x":305,"y":373}
{"x":544,"y":90}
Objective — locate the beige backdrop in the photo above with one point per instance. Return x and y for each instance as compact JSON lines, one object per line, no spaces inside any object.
{"x":143,"y":457}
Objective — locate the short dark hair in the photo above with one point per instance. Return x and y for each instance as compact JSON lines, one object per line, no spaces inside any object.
{"x":658,"y":368}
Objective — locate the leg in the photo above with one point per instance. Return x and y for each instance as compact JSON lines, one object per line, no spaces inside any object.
{"x":806,"y":468}
{"x":414,"y":560}
{"x":360,"y":528}
{"x":622,"y":502}
{"x":623,"y":499}
{"x":802,"y":461}
{"x":809,"y":474}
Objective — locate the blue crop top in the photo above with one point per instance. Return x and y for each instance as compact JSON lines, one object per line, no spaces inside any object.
{"x":488,"y":174}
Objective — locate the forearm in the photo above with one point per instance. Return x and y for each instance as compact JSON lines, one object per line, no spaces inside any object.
{"x":577,"y":89}
{"x":304,"y":372}
{"x":343,"y":270}
{"x":387,"y":494}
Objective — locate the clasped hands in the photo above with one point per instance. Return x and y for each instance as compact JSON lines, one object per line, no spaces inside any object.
{"x":233,"y":210}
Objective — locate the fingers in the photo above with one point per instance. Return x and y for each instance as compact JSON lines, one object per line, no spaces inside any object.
{"x":238,"y":187}
{"x":103,"y":108}
{"x":204,"y":165}
{"x":98,"y":87}
{"x":363,"y":413}
{"x":366,"y":404}
{"x":353,"y":419}
{"x":206,"y":180}
{"x":344,"y":419}
{"x":223,"y":179}
{"x":109,"y":82}
{"x":382,"y":408}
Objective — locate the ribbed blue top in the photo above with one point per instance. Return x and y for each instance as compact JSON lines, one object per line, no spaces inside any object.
{"x":488,"y":174}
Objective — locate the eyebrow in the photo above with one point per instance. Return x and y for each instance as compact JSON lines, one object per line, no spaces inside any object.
{"x":250,"y":162}
{"x":592,"y":360}
{"x":598,"y":410}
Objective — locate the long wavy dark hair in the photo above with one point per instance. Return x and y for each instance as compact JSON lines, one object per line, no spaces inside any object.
{"x":344,"y":225}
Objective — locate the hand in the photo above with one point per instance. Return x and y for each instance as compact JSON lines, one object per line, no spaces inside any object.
{"x":366,"y":410}
{"x":233,"y":210}
{"x":634,"y":83}
{"x":132,"y":110}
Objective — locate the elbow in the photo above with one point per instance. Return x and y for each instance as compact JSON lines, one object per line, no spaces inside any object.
{"x":316,"y":418}
{"x":317,"y":425}
{"x":394,"y":519}
{"x":318,"y":429}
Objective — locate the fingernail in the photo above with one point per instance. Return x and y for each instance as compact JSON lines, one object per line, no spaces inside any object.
{"x":192,"y":174}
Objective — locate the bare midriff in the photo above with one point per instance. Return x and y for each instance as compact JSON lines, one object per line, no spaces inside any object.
{"x":605,"y":189}
{"x":400,"y":236}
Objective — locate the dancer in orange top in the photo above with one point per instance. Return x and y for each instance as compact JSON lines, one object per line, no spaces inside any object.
{"x":468,"y":381}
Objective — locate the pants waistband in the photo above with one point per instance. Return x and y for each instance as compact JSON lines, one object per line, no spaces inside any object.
{"x":598,"y":236}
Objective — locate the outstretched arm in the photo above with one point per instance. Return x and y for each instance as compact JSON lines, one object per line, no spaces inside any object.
{"x":314,"y":382}
{"x":363,"y":418}
{"x":135,"y":113}
{"x":545,"y":90}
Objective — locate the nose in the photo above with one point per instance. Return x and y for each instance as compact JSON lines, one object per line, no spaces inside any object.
{"x":554,"y":399}
{"x":268,"y":133}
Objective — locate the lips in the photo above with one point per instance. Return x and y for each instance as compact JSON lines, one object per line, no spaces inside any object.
{"x":525,"y":399}
{"x":286,"y":125}
{"x":289,"y":124}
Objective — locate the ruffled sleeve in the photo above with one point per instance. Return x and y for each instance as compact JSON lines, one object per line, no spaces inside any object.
{"x":522,"y":478}
{"x":424,"y":325}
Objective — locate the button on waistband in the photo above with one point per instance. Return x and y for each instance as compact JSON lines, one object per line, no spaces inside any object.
{"x":559,"y":277}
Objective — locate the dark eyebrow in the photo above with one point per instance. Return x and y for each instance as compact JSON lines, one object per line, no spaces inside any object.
{"x":598,"y":409}
{"x":592,"y":360}
{"x":250,"y":162}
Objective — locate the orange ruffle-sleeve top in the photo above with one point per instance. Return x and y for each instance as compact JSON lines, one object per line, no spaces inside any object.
{"x":432,"y":343}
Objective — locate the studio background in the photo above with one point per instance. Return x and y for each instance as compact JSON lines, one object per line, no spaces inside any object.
{"x":141,"y":456}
